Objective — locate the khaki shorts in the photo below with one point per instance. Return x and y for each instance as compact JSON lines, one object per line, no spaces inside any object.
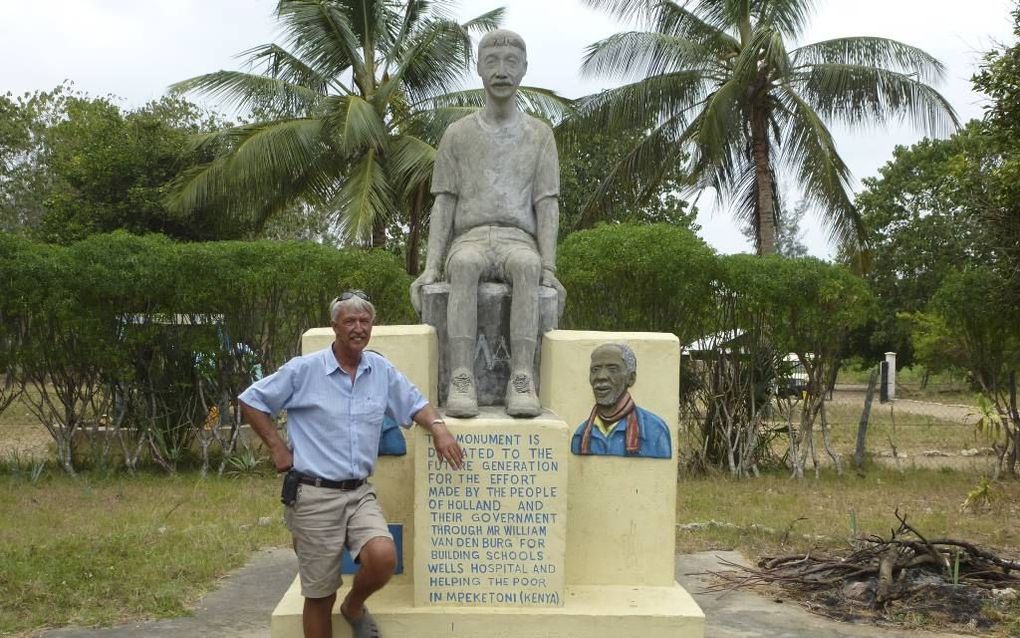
{"x":324,"y":521}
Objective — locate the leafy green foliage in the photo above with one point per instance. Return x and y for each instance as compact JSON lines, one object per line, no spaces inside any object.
{"x":74,"y":165}
{"x":973,"y":323}
{"x":23,"y":153}
{"x":808,"y":304}
{"x":926,"y":214}
{"x":348,"y":112}
{"x":719,"y":82}
{"x":1000,"y":80}
{"x":147,"y":336}
{"x":115,"y":166}
{"x":653,"y":277}
{"x":586,"y":159}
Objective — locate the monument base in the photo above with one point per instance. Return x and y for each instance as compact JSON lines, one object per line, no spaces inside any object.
{"x":587,"y":612}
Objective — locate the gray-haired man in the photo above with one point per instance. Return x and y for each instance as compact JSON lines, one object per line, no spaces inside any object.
{"x":336,"y":400}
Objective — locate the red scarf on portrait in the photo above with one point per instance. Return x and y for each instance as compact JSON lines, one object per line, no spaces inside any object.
{"x":624,"y":408}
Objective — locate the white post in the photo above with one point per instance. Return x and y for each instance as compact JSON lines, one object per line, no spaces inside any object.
{"x":890,"y":359}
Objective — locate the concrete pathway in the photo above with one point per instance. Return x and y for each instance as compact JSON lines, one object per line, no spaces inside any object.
{"x":240,"y":608}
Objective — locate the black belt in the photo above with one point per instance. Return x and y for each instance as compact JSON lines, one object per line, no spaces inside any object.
{"x":348,"y":485}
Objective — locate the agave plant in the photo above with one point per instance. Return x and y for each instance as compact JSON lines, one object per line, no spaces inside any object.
{"x":717,"y":79}
{"x":349,"y":109}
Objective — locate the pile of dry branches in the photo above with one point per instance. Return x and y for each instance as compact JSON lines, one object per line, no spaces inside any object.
{"x":944,"y":577}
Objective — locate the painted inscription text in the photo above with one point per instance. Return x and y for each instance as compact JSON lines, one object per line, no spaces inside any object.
{"x":496,"y":527}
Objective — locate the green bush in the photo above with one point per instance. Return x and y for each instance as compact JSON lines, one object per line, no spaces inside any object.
{"x":807,"y":305}
{"x":638,"y":278}
{"x":146,"y":336}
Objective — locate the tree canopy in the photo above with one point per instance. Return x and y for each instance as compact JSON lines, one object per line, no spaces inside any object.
{"x":72,"y":165}
{"x":720,"y":82}
{"x":349,"y":109}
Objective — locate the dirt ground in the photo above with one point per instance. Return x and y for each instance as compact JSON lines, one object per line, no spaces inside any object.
{"x":963,"y":453}
{"x":854,"y":396}
{"x":22,"y":435}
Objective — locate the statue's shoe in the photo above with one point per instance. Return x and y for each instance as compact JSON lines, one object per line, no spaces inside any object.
{"x":462,"y":398}
{"x":521,"y":398}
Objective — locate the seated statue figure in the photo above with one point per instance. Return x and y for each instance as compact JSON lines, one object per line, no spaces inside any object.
{"x":495,"y":218}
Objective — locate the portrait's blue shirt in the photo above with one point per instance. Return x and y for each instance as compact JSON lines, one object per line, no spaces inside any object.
{"x":654,"y":436}
{"x":335,"y":425}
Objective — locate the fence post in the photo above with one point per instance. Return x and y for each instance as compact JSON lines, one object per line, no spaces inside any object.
{"x":862,"y":427}
{"x":890,"y":358}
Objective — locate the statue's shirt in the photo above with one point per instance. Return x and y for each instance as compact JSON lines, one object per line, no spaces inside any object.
{"x":497,"y":173}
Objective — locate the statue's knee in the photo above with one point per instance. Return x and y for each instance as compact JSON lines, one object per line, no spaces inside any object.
{"x":524,"y":266}
{"x":465,"y":264}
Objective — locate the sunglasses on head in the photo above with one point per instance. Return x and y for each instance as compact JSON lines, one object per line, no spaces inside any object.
{"x":351,"y":294}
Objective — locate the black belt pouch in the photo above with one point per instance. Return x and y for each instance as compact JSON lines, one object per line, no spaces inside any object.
{"x":291,"y":480}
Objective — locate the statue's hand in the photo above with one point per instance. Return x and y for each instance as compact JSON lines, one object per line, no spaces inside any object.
{"x":428,"y":277}
{"x":549,"y":279}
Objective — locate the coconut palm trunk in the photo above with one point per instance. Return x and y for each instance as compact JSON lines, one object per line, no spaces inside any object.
{"x":764,"y":218}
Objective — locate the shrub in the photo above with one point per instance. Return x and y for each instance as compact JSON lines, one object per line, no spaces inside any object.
{"x":150,"y":340}
{"x":638,"y":278}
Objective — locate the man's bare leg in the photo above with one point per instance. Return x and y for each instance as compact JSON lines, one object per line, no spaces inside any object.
{"x":317,"y":617}
{"x":378,"y":559}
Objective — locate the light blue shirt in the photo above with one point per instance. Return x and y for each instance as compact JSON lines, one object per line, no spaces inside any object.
{"x":334,"y":425}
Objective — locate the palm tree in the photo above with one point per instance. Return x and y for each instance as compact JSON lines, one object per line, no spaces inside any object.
{"x":349,"y":110}
{"x":717,"y":80}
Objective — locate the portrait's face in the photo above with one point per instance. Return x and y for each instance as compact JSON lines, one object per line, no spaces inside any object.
{"x":502,"y":68}
{"x":353,"y":329}
{"x":608,"y":376}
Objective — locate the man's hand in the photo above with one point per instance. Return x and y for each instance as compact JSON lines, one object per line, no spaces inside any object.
{"x":446,"y":446}
{"x":262,"y":424}
{"x":549,"y":279}
{"x":430,"y":276}
{"x":283,"y":459}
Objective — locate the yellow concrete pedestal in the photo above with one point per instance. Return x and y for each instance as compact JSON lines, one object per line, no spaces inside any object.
{"x":610,"y":566}
{"x":587,"y":612}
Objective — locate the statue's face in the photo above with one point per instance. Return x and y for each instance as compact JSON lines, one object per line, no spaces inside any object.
{"x":502,"y":68}
{"x":608,"y":376}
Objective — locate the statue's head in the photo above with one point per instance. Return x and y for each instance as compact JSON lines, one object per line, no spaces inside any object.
{"x":502,"y":62}
{"x":613,"y":370}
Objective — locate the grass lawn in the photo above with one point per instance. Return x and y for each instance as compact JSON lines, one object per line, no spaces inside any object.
{"x":817,"y":512}
{"x":941,"y":388}
{"x":91,"y":551}
{"x":97,"y":550}
{"x":913,"y":433}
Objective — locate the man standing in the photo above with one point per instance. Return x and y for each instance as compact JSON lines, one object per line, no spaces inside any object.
{"x":616,"y":426}
{"x":336,"y":400}
{"x":495,"y":218}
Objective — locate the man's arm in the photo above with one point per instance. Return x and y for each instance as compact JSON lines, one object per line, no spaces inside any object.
{"x":440,"y":230}
{"x":262,"y":423}
{"x":446,"y":445}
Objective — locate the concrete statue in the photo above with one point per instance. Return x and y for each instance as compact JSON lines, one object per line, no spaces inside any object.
{"x":495,"y":218}
{"x":616,"y":426}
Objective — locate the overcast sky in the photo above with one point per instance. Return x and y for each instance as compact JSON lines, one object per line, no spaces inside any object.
{"x":134,"y":49}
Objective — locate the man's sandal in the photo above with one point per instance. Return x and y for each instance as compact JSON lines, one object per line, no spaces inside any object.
{"x":364,"y":627}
